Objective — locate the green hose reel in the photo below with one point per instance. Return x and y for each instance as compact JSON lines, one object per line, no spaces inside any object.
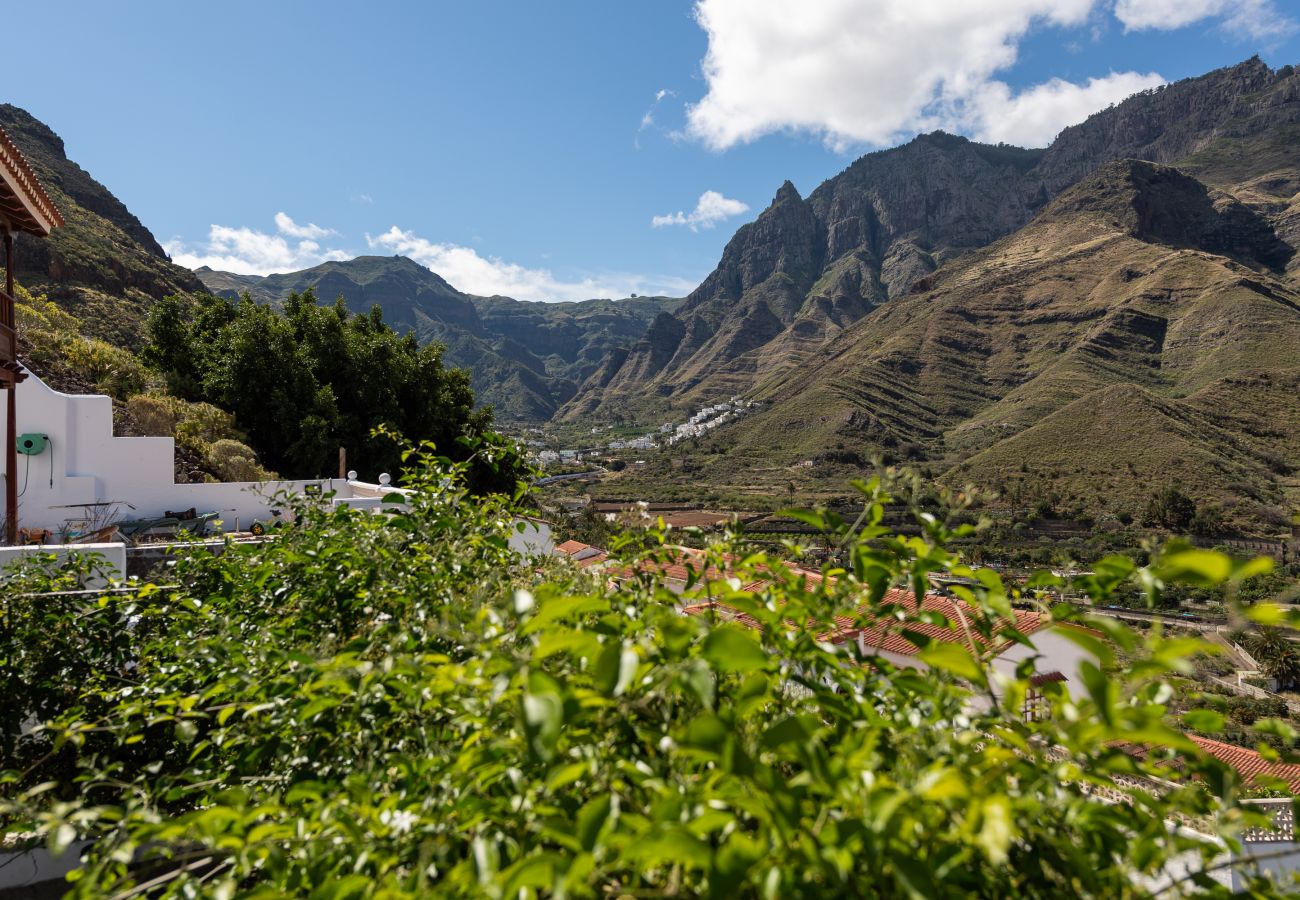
{"x":33,"y":444}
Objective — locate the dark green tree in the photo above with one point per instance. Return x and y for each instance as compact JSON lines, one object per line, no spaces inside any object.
{"x":1170,"y":508}
{"x":306,"y":379}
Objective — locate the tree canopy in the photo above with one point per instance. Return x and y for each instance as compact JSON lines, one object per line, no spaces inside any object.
{"x":306,"y":379}
{"x":395,"y":706}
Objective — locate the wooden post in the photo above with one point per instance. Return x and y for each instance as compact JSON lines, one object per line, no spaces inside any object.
{"x":343,"y":462}
{"x":11,"y":415}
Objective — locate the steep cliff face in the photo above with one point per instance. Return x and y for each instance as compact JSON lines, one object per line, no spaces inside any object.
{"x":1172,"y":122}
{"x":805,"y":270}
{"x":103,"y":265}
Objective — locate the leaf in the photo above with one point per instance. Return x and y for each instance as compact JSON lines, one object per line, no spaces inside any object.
{"x":1098,"y":648}
{"x":61,"y":838}
{"x":543,"y":719}
{"x":729,"y":648}
{"x":591,"y":819}
{"x":1266,"y":613}
{"x":557,"y":608}
{"x":1201,"y":566}
{"x":1206,"y":720}
{"x":706,"y":731}
{"x":628,"y":663}
{"x":793,"y":729}
{"x":955,"y":659}
{"x":808,"y":517}
{"x":995,"y":828}
{"x":532,"y":871}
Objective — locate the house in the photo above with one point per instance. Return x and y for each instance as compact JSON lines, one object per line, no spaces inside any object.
{"x":80,"y":476}
{"x":584,"y":555}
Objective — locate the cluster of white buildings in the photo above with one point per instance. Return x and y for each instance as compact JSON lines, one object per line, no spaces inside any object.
{"x":645,"y":442}
{"x":707,"y":419}
{"x":551,"y":457}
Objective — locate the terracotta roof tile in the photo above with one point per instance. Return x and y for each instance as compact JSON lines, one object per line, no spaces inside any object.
{"x":1249,"y":762}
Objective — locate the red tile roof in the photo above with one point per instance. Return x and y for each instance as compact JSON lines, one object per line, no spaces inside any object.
{"x":1249,"y":762}
{"x":886,"y":636}
{"x":583,"y":554}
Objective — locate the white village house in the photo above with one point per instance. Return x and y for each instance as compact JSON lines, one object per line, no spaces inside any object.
{"x":73,"y":471}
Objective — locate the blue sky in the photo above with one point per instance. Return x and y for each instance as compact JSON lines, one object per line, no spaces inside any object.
{"x":558,"y":150}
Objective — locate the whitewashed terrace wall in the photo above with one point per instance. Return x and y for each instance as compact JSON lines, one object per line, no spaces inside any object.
{"x":91,"y":465}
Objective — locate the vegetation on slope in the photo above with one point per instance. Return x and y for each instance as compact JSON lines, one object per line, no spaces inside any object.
{"x":103,"y":266}
{"x":392,"y":706}
{"x":1131,"y":336}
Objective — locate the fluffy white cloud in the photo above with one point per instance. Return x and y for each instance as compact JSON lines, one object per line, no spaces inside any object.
{"x":290,"y":228}
{"x":248,"y":251}
{"x":1250,"y":18}
{"x":466,"y":270}
{"x":1033,"y":117}
{"x":709,"y":210}
{"x":872,"y":71}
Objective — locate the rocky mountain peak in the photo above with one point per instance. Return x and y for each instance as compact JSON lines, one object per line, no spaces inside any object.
{"x":787,"y":193}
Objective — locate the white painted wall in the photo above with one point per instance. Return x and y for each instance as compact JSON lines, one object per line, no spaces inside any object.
{"x":531,"y":538}
{"x":133,"y":476}
{"x":1057,"y":654}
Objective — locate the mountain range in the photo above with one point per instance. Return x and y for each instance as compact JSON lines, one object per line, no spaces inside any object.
{"x":526,"y":358}
{"x":1119,"y":308}
{"x":806,"y":269}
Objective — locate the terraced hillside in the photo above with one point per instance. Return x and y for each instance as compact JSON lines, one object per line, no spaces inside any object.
{"x":1142,"y":330}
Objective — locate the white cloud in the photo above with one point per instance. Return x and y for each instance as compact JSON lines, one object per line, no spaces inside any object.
{"x":1249,"y":18}
{"x":466,"y":270}
{"x":873,"y":71}
{"x":247,"y":251}
{"x":1033,"y":117}
{"x":709,"y":210}
{"x":290,"y":228}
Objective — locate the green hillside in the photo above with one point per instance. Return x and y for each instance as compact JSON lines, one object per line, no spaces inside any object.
{"x":103,"y":266}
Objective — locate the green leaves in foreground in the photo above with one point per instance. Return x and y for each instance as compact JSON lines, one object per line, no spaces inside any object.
{"x":396,"y":707}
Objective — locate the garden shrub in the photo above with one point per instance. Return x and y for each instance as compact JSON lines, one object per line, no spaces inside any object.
{"x":234,"y":461}
{"x":395,"y":706}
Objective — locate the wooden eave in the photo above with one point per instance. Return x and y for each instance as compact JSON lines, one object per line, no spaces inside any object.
{"x":24,"y":205}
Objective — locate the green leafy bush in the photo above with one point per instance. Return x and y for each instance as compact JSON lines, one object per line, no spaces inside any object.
{"x":395,"y":706}
{"x":154,"y":415}
{"x":234,"y":461}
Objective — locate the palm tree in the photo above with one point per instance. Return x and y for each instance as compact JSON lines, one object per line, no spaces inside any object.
{"x":1277,"y":653}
